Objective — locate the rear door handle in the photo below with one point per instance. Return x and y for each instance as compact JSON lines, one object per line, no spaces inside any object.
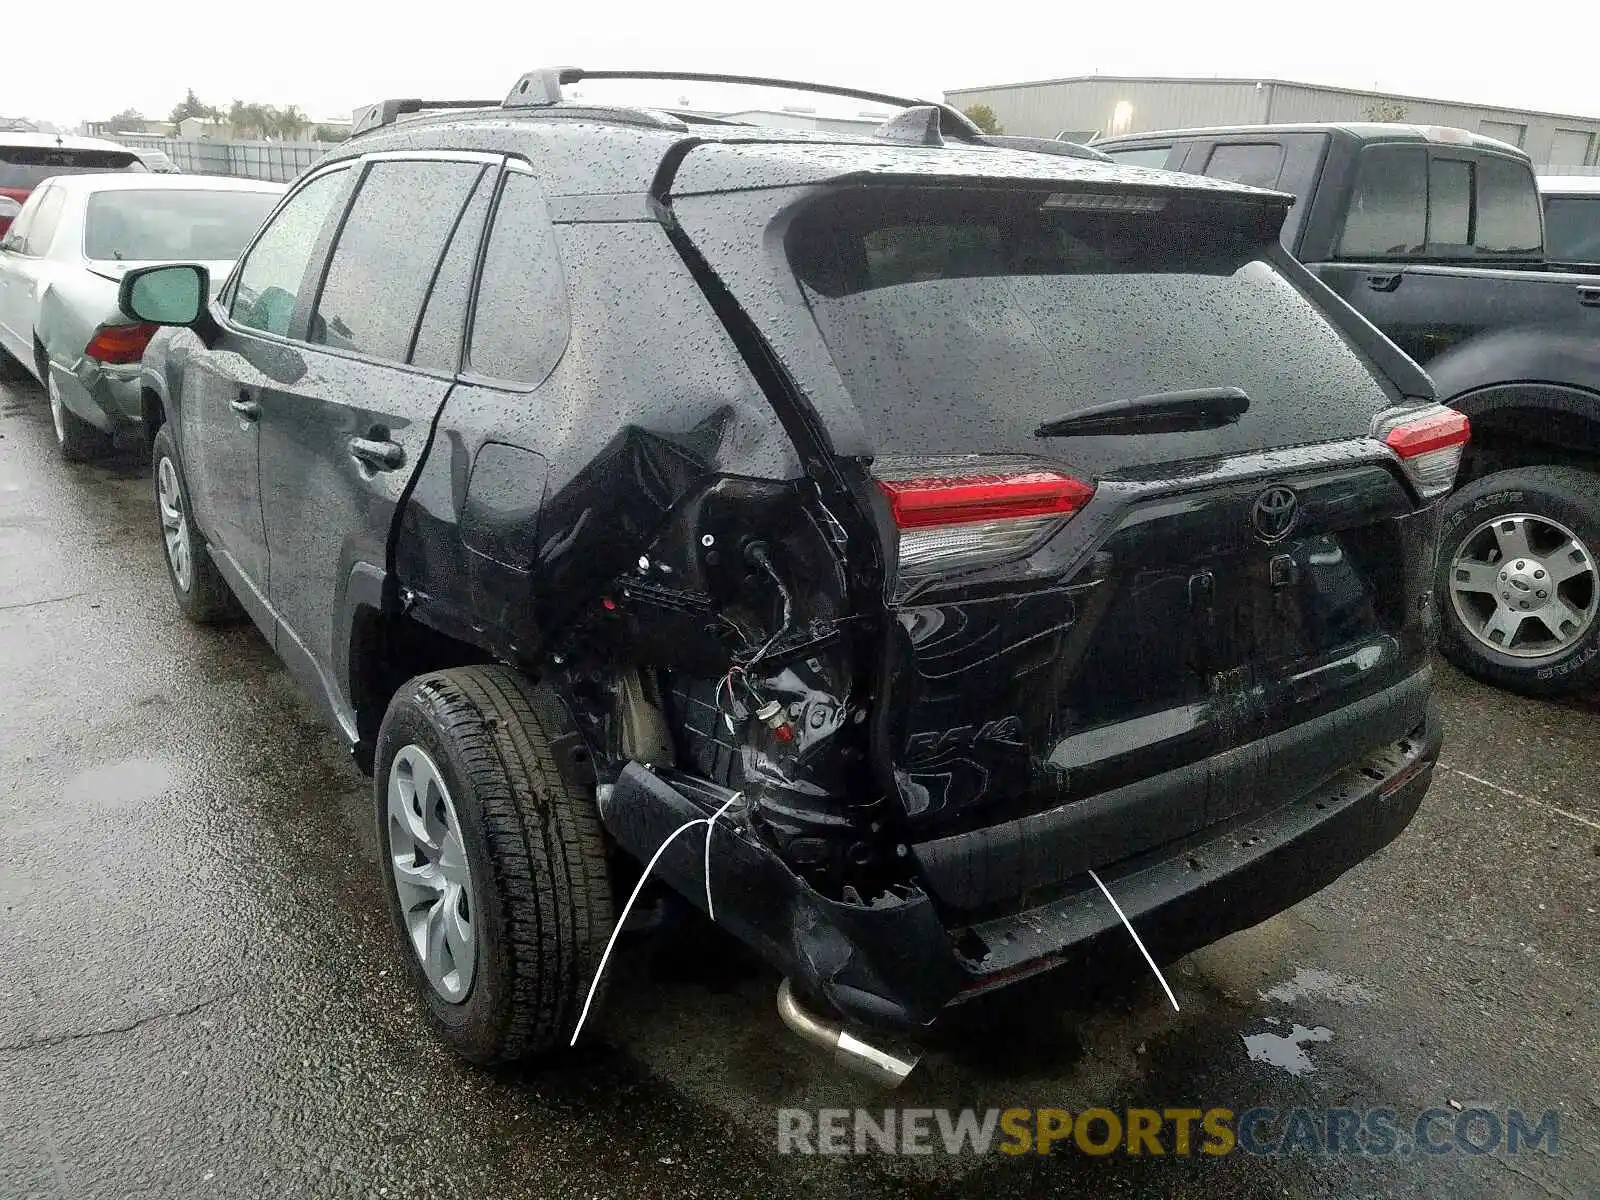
{"x":1589,"y":295}
{"x":1384,"y":283}
{"x":380,"y":456}
{"x":246,"y":405}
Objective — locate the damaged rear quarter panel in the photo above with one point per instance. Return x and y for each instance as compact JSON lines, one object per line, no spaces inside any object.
{"x":649,"y":400}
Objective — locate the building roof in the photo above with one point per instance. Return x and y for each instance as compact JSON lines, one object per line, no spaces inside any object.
{"x":1288,"y":83}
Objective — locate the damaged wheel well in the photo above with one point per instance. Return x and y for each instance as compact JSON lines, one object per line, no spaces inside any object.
{"x":386,"y":649}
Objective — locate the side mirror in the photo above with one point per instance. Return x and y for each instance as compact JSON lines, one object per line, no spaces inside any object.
{"x":165,"y":295}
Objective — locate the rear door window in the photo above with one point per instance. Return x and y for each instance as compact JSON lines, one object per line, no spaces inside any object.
{"x":519,"y":322}
{"x":1258,"y":164}
{"x":1388,"y":213}
{"x":1449,"y":204}
{"x":387,"y":255}
{"x":444,"y":318}
{"x":962,"y":321}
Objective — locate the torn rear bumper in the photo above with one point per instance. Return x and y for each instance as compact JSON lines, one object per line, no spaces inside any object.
{"x":898,"y":963}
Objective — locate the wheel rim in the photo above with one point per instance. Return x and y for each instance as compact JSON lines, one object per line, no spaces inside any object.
{"x":431,"y":876}
{"x":174,"y":524}
{"x":1524,"y":585}
{"x":57,"y":409}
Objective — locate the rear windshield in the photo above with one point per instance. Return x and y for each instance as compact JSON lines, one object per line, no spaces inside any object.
{"x":165,"y":224}
{"x":1572,"y":228}
{"x":961,"y":321}
{"x":28,"y":166}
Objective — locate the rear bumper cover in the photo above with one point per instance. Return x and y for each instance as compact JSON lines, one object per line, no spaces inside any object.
{"x":895,"y":963}
{"x":105,"y":395}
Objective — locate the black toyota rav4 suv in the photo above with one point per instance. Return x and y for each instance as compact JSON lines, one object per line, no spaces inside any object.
{"x":948,"y":519}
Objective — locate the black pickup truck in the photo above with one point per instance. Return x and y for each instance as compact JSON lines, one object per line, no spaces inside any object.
{"x":1435,"y":236}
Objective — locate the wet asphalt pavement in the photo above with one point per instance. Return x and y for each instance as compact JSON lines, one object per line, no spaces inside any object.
{"x":200,"y":994}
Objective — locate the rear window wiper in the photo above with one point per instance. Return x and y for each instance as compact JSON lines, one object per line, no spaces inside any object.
{"x":1159,"y":412}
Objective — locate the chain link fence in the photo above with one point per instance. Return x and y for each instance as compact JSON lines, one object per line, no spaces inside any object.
{"x":279,"y":162}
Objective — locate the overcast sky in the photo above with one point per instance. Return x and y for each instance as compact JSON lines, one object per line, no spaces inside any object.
{"x":329,"y":57}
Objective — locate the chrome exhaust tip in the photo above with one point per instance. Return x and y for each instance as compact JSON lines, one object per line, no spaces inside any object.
{"x":883,"y":1067}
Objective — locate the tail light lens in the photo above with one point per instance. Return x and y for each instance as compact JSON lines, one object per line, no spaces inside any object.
{"x":119,"y":343}
{"x":1429,"y":443}
{"x":973,"y":513}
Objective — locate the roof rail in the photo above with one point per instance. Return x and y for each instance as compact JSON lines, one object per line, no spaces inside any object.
{"x":387,"y":112}
{"x":542,"y":87}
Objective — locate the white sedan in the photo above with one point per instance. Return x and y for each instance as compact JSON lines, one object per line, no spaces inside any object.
{"x":60,"y":265}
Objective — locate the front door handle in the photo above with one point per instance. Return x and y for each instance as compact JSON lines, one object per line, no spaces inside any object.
{"x":1384,"y":283}
{"x":1589,"y":296}
{"x":379,"y":455}
{"x":246,"y":405}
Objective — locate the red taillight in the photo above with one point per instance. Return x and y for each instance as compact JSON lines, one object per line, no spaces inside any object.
{"x":959,"y":499}
{"x":958,"y":518}
{"x":1429,"y":443}
{"x":119,"y":343}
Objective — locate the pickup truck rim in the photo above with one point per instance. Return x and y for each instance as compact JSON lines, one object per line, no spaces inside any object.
{"x":57,"y":409}
{"x":1524,"y":585}
{"x":174,"y":524}
{"x":431,"y":876}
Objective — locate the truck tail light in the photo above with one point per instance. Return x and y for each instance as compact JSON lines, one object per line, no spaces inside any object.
{"x":972,"y":513}
{"x":119,"y":343}
{"x":1429,"y":443}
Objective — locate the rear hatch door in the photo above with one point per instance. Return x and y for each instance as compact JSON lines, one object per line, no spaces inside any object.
{"x":1195,"y":591}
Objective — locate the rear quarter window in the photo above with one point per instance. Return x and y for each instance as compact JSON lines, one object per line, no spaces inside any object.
{"x":1258,"y":164}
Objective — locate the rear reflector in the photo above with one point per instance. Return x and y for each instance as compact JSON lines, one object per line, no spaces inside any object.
{"x":119,"y":343}
{"x":1429,"y":443}
{"x":956,"y":520}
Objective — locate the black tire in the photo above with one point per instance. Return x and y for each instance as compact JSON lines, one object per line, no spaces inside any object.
{"x":12,"y":369}
{"x":539,"y":884}
{"x":79,"y":441}
{"x":1564,"y":495}
{"x":205,"y":598}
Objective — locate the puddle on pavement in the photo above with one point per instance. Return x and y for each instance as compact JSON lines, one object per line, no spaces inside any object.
{"x":1313,"y":983}
{"x":123,"y":784}
{"x":1286,"y":1050}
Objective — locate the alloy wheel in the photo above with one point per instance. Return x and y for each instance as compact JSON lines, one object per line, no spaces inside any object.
{"x":1524,"y":585}
{"x":431,"y":877}
{"x":174,"y":523}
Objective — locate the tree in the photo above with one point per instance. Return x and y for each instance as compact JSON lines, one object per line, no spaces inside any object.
{"x":1385,"y":110}
{"x":289,"y":123}
{"x":983,"y":117}
{"x":192,"y":106}
{"x":128,"y":116}
{"x":330,"y":133}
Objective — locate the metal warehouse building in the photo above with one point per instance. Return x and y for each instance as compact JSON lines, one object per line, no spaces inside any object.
{"x":1106,"y":104}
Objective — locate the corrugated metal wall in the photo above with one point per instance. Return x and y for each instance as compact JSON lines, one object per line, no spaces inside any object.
{"x":1112,"y":105}
{"x":280,"y":162}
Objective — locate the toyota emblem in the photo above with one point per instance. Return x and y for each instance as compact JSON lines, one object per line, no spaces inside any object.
{"x":1275,"y":512}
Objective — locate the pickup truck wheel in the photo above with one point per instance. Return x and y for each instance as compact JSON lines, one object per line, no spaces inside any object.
{"x":494,"y":863}
{"x":79,"y":440}
{"x":1518,"y":581}
{"x":199,"y":588}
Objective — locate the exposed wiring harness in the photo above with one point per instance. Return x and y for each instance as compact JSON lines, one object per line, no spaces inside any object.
{"x":709,"y":823}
